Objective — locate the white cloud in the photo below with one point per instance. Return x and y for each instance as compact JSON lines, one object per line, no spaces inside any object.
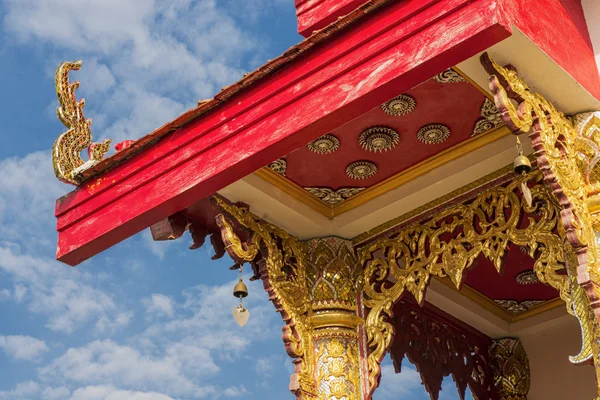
{"x":23,"y":347}
{"x":105,"y":361}
{"x":59,"y":393}
{"x":63,"y":294}
{"x":235,"y":391}
{"x":179,"y":358}
{"x":159,"y":304}
{"x":23,"y":391}
{"x":157,"y":57}
{"x":111,"y":393}
{"x":264,"y":367}
{"x":400,"y":385}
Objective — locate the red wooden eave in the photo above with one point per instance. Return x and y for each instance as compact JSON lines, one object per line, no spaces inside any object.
{"x":328,"y":86}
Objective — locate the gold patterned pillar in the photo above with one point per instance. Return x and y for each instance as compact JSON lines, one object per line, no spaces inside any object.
{"x":332,"y":276}
{"x":314,"y":286}
{"x":510,"y":365}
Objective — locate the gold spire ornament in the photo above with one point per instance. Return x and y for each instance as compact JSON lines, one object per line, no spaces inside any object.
{"x":240,"y":290}
{"x":522,"y":166}
{"x":66,"y":151}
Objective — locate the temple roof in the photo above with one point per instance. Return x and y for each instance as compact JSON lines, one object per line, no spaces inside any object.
{"x":228,"y":92}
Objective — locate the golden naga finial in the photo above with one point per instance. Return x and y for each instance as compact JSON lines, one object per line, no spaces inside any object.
{"x":66,"y":151}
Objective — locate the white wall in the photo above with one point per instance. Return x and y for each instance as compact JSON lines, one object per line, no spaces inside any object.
{"x":591,"y":8}
{"x":553,"y":377}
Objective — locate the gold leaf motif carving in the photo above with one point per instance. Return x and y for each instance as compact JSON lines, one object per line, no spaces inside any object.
{"x":66,"y":151}
{"x":510,"y":365}
{"x":283,"y":271}
{"x":486,"y":226}
{"x":566,"y":150}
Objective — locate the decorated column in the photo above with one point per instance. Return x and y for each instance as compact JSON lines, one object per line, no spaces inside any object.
{"x":313,"y":285}
{"x":510,"y":365}
{"x":333,"y":274}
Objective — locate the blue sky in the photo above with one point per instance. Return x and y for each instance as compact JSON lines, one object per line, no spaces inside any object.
{"x":143,"y":320}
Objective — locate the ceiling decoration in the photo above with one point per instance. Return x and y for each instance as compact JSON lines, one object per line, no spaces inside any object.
{"x":361,"y":170}
{"x":324,"y":145}
{"x":279,"y":166}
{"x":381,"y":146}
{"x":400,"y":105}
{"x":333,"y":197}
{"x":378,"y":138}
{"x":433,"y":134}
{"x":449,"y":76}
{"x":527,"y":278}
{"x":490,"y":118}
{"x":517,"y":307}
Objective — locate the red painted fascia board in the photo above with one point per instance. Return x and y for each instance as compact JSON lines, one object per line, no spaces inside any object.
{"x":316,"y":14}
{"x":338,"y":81}
{"x":559,"y":28}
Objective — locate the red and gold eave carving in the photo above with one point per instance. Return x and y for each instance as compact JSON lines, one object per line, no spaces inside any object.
{"x":562,"y":153}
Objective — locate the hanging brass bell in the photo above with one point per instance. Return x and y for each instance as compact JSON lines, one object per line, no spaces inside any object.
{"x":522,"y":165}
{"x":240,"y":289}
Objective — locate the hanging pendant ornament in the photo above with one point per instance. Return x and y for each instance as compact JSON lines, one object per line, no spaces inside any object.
{"x":522,"y":166}
{"x":240,"y":314}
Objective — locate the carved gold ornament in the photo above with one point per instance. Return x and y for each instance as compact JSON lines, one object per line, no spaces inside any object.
{"x":333,"y":197}
{"x":490,"y":118}
{"x":433,"y":134}
{"x":510,"y":365}
{"x":449,"y":76}
{"x":400,"y":105}
{"x":515,"y":307}
{"x":279,"y":166}
{"x":378,"y":138}
{"x":427,"y":249}
{"x":566,"y":153}
{"x":361,"y":170}
{"x":283,"y":271}
{"x":527,"y":278}
{"x":324,"y":145}
{"x":66,"y":151}
{"x":337,"y":369}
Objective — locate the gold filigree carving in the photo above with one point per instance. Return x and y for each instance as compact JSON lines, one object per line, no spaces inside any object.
{"x":332,"y":274}
{"x":361,"y":170}
{"x":66,"y":151}
{"x":510,"y":365}
{"x":449,"y":243}
{"x":326,"y":144}
{"x":279,"y":166}
{"x":337,"y":369}
{"x":378,"y":139}
{"x":433,"y":134}
{"x":333,"y":197}
{"x":526,"y":277}
{"x":399,"y":105}
{"x":566,"y":151}
{"x":449,"y":76}
{"x":281,"y":260}
{"x":489,"y":118}
{"x":518,"y":307}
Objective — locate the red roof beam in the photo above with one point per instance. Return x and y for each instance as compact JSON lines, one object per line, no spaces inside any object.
{"x":329,"y":86}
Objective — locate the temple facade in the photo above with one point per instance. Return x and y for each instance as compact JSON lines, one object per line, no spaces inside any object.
{"x":416,"y":178}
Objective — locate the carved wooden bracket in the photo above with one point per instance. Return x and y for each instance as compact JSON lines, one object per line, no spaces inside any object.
{"x":279,"y":260}
{"x":567,"y":157}
{"x":449,"y":243}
